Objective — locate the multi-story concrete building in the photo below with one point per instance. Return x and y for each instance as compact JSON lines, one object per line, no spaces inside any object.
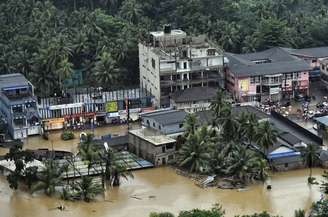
{"x":313,"y":56}
{"x":270,"y":75}
{"x":19,"y":106}
{"x":171,"y":61}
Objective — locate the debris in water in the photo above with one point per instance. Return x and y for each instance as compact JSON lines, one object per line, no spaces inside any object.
{"x":135,"y":197}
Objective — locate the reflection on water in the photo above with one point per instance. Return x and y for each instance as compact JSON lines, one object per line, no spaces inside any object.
{"x":159,"y":189}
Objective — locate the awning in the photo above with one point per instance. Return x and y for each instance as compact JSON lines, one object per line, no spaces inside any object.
{"x":284,"y":154}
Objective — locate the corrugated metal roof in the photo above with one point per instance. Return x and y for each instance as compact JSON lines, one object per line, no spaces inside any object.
{"x":13,"y":80}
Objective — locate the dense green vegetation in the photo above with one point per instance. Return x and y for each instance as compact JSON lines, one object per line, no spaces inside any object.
{"x":225,"y":147}
{"x":319,"y":209}
{"x":67,"y":135}
{"x":48,"y":40}
{"x":216,"y":211}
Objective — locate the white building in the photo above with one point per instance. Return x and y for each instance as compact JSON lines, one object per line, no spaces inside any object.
{"x":171,"y":61}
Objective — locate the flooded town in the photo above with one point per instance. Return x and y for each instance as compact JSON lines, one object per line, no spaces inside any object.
{"x":171,"y":108}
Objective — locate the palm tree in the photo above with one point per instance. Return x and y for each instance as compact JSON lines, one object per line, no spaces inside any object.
{"x":106,"y":70}
{"x":299,"y":213}
{"x":244,"y":164}
{"x":114,"y":170}
{"x":265,"y":136}
{"x":120,"y":171}
{"x":310,"y":157}
{"x":263,"y":168}
{"x":218,"y":104}
{"x":64,"y":71}
{"x":87,"y":188}
{"x":88,"y":152}
{"x":194,"y":153}
{"x":190,"y":125}
{"x":49,"y":178}
{"x":131,"y":10}
{"x":247,"y":126}
{"x":228,"y":124}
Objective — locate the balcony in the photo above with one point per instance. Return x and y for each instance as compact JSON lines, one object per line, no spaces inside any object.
{"x":12,"y":96}
{"x":167,"y":82}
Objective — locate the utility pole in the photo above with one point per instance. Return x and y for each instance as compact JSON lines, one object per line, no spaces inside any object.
{"x":127,"y":102}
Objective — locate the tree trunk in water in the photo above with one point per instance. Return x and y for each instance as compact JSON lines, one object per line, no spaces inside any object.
{"x":116,"y":179}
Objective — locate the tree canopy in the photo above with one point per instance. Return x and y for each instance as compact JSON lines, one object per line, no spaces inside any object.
{"x":49,"y":40}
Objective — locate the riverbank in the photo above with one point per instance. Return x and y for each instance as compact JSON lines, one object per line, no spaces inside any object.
{"x":161,"y":189}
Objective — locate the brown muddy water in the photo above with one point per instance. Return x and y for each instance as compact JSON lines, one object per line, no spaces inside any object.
{"x":158,"y":190}
{"x":161,"y":189}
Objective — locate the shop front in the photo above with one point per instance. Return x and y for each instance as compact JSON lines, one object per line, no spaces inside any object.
{"x":54,"y":124}
{"x":81,"y":120}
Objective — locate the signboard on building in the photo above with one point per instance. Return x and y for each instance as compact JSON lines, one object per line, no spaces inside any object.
{"x":274,"y":90}
{"x":63,"y":106}
{"x":244,"y":85}
{"x":111,"y":106}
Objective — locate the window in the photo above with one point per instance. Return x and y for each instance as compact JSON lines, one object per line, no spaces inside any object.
{"x":286,"y":165}
{"x":163,"y":149}
{"x":148,"y":123}
{"x":314,"y":61}
{"x":153,"y":63}
{"x":185,"y":65}
{"x":169,"y":146}
{"x":252,"y":80}
{"x":159,"y":127}
{"x":154,"y":125}
{"x":185,"y":77}
{"x":184,"y":53}
{"x":180,"y":125}
{"x":211,"y":52}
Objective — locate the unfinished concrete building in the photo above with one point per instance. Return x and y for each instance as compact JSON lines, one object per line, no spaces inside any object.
{"x":171,"y":61}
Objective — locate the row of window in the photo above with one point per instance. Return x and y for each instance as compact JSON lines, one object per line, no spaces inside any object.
{"x":288,"y":76}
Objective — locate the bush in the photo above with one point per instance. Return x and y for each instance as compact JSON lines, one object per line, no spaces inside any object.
{"x":320,"y":209}
{"x":163,"y":214}
{"x":67,"y":135}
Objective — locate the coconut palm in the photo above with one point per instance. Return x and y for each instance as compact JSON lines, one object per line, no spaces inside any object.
{"x":247,"y":126}
{"x":243,"y":164}
{"x":218,"y":104}
{"x":49,"y":178}
{"x":64,"y":71}
{"x":299,"y":213}
{"x":194,"y":154}
{"x":228,"y":124}
{"x":88,"y":188}
{"x":106,"y":70}
{"x":114,"y":170}
{"x":190,"y":125}
{"x":88,"y":152}
{"x":120,"y":171}
{"x":131,"y":10}
{"x":310,"y":157}
{"x":265,"y":136}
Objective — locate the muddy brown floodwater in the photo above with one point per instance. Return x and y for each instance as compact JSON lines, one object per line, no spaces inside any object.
{"x":161,"y":189}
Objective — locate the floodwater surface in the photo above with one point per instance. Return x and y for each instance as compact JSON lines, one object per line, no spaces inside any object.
{"x":159,"y":190}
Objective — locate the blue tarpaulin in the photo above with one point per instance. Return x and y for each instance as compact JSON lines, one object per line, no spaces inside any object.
{"x":283,"y":154}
